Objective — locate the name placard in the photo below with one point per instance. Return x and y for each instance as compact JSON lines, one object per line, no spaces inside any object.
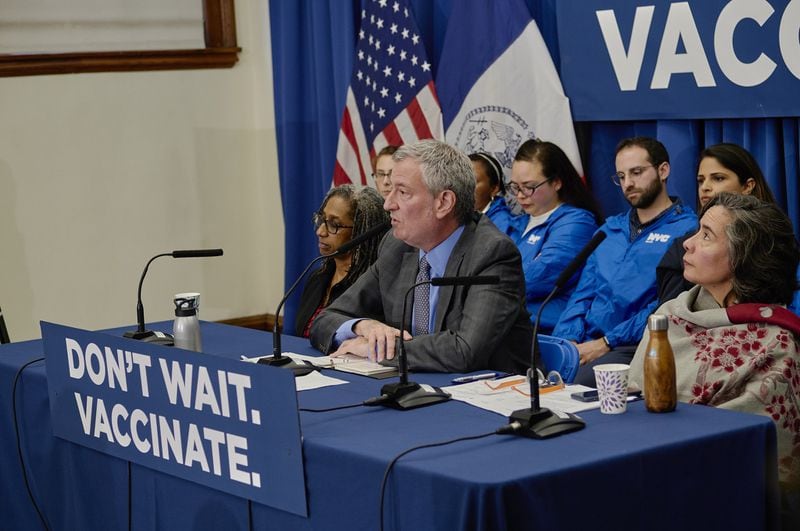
{"x":219,"y":422}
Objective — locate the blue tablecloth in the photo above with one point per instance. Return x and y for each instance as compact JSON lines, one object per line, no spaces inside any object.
{"x":696,"y":468}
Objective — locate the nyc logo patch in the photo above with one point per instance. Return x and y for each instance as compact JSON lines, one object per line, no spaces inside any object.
{"x":533,"y":238}
{"x":655,"y":237}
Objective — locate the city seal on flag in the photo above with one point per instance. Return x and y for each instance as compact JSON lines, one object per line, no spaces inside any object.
{"x":509,"y":91}
{"x":493,"y":129}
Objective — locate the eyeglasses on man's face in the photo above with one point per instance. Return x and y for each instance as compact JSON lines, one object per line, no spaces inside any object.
{"x":332,"y":227}
{"x":526,"y":189}
{"x":634,"y":173}
{"x":380,"y":174}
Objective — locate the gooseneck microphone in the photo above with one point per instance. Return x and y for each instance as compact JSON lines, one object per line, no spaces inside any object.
{"x":348,"y":246}
{"x":409,"y":395}
{"x":278,"y":359}
{"x":537,"y":422}
{"x":160,"y":337}
{"x":579,"y":260}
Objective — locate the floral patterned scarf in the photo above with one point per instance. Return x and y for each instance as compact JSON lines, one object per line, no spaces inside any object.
{"x":745,"y":357}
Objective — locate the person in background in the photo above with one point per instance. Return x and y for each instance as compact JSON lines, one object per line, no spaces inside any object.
{"x":735,"y":346}
{"x":435,"y":233}
{"x":608,"y":310}
{"x":382,"y":167}
{"x":490,"y":190}
{"x":560,"y":217}
{"x":344,"y":214}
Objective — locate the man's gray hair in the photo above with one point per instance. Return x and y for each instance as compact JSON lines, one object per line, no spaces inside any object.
{"x":444,"y":168}
{"x":762,"y":249}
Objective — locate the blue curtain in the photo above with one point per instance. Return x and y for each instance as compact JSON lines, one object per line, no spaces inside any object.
{"x":313,"y":43}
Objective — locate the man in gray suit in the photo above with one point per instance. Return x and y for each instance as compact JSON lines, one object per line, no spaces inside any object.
{"x":436,"y":233}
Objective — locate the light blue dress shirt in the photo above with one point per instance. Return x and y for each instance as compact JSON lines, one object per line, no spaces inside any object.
{"x":437,"y":258}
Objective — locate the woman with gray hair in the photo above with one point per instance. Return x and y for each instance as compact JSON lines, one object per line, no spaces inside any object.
{"x":344,"y":214}
{"x":735,"y":344}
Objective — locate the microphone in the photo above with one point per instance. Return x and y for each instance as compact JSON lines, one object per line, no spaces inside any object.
{"x":579,"y":259}
{"x":465,"y":281}
{"x":348,"y":246}
{"x":278,"y":359}
{"x":409,"y":395}
{"x":197,"y":253}
{"x":537,"y":422}
{"x":155,"y":336}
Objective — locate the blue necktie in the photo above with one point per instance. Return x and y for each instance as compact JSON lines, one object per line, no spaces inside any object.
{"x":422,"y":297}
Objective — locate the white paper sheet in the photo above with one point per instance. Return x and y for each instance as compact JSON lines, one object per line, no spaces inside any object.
{"x":312,"y":380}
{"x":502,"y":398}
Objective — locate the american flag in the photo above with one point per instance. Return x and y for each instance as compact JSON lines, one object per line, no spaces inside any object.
{"x":391,"y":98}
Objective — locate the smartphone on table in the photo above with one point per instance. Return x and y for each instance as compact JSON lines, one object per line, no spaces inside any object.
{"x":591,"y":395}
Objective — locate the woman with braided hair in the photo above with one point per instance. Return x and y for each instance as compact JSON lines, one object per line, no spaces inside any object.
{"x":344,"y":214}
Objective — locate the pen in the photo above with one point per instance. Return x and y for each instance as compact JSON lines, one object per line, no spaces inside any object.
{"x":476,"y":377}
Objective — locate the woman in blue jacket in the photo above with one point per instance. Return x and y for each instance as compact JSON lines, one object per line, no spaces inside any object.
{"x":561,"y":217}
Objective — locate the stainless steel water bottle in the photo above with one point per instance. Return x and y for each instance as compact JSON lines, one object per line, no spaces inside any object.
{"x":186,"y":329}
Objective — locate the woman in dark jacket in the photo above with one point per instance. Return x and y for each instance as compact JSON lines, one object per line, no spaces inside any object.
{"x":344,"y":214}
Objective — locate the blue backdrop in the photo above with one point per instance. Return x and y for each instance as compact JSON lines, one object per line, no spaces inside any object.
{"x":313,"y":44}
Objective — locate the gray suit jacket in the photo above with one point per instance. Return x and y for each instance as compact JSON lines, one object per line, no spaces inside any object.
{"x":477,"y":327}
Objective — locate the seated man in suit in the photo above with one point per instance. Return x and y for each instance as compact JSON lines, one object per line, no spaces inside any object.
{"x":435,"y":233}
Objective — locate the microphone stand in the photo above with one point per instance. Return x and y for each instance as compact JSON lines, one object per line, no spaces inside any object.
{"x":537,"y":422}
{"x":409,"y":395}
{"x":278,"y":359}
{"x":405,"y":395}
{"x":285,"y":362}
{"x":151,"y":336}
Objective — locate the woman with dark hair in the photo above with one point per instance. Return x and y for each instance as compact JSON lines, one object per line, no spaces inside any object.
{"x":344,"y":214}
{"x":490,"y":190}
{"x":561,"y":217}
{"x":729,"y":168}
{"x":735,"y":345}
{"x":722,"y":168}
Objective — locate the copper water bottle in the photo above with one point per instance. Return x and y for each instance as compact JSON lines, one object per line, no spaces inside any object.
{"x":660,"y":393}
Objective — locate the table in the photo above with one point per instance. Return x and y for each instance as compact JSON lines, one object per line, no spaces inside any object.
{"x":696,"y":468}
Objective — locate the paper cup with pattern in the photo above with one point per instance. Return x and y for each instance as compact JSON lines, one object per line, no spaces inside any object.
{"x":612,"y":387}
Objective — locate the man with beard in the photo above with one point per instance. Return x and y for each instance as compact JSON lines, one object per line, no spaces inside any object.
{"x":608,"y":310}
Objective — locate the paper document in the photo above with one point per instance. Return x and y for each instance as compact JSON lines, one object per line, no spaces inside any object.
{"x":312,"y":380}
{"x":351,"y":364}
{"x":315,"y":380}
{"x":511,"y":393}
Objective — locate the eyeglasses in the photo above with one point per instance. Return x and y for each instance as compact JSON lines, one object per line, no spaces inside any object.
{"x":382,"y":174}
{"x":634,"y":173}
{"x":526,"y":189}
{"x":553,"y":382}
{"x":331,"y":226}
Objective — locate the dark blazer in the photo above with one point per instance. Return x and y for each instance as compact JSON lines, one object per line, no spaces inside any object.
{"x":477,"y":327}
{"x":313,"y":293}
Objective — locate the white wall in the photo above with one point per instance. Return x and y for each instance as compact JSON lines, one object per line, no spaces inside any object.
{"x":98,"y":172}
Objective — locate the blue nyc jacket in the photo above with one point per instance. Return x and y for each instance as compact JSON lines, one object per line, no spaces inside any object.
{"x":546,"y":250}
{"x":617,"y":289}
{"x":501,"y":215}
